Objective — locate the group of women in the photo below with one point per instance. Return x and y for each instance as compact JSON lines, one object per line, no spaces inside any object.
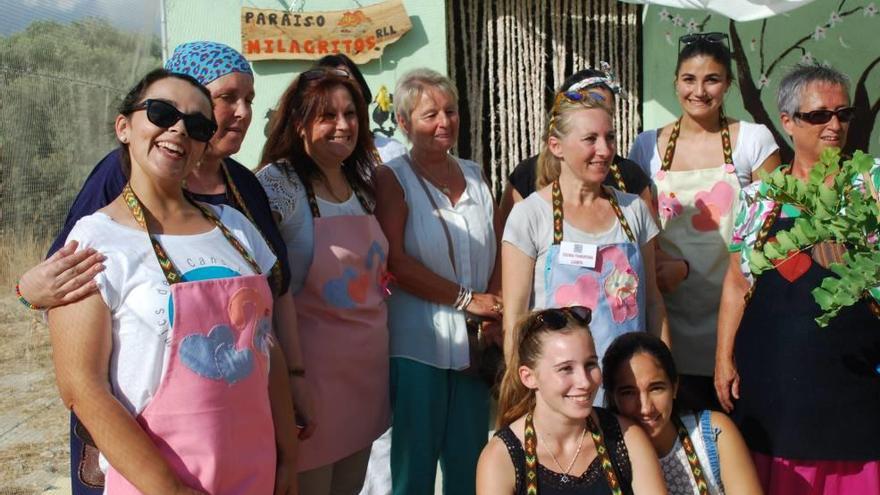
{"x":354,"y":287}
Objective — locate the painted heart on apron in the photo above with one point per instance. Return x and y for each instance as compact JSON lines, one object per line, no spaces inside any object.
{"x":583,"y":292}
{"x":210,"y":416}
{"x":713,"y":205}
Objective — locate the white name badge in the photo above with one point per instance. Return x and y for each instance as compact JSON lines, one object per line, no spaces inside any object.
{"x":578,"y":254}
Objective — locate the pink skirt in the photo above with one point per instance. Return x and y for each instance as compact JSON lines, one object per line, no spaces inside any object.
{"x":780,"y":476}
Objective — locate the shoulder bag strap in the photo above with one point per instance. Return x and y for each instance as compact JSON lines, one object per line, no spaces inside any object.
{"x":436,"y":212}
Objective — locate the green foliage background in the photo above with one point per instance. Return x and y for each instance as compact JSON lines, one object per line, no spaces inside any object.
{"x":59,"y":87}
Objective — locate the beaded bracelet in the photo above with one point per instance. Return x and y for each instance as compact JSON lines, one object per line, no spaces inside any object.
{"x":24,"y":301}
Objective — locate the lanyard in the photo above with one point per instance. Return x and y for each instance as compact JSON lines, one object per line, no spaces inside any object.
{"x":240,"y":205}
{"x":691,"y":453}
{"x":531,"y":444}
{"x":557,"y":213}
{"x":172,"y":274}
{"x":673,"y":139}
{"x":618,"y":177}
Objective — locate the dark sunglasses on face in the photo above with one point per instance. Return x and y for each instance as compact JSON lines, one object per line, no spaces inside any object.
{"x":557,"y":318}
{"x":818,"y":117}
{"x":714,"y":37}
{"x":163,"y":114}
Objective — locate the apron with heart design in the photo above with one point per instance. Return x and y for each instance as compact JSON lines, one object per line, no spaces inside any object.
{"x":613,"y":289}
{"x":210,"y":417}
{"x":696,"y":210}
{"x":343,"y":328}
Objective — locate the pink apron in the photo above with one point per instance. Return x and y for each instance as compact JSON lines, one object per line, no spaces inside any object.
{"x":210,"y":416}
{"x":343,"y":331}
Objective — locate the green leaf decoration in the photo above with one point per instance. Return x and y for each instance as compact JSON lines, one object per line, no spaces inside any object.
{"x":831,"y":205}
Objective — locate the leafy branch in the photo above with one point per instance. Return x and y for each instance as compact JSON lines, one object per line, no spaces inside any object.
{"x":832,"y":211}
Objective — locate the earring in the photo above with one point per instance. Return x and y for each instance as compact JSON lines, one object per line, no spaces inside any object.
{"x":124,"y":140}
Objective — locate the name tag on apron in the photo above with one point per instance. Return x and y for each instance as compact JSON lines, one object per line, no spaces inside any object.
{"x":578,"y":254}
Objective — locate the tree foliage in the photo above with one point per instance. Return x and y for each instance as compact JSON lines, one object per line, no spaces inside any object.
{"x":836,"y":212}
{"x":59,"y":87}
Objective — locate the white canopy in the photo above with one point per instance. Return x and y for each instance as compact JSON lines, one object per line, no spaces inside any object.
{"x":738,"y":10}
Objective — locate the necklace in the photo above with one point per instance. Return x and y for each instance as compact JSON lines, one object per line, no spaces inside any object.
{"x":565,"y":478}
{"x":330,"y":191}
{"x":443,"y":185}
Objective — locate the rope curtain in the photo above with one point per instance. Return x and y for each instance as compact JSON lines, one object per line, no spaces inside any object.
{"x":507,"y":57}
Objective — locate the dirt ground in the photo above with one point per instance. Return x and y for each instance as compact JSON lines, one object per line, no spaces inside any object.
{"x":33,"y":422}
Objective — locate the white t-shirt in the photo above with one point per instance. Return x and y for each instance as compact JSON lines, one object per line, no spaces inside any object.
{"x":754,"y":144}
{"x":287,"y":196}
{"x":134,"y":288}
{"x":530,"y":229}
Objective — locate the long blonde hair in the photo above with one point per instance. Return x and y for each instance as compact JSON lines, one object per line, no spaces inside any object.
{"x":558,"y":125}
{"x":515,"y":399}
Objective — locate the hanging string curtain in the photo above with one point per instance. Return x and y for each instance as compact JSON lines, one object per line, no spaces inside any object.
{"x":738,"y":10}
{"x":509,"y":56}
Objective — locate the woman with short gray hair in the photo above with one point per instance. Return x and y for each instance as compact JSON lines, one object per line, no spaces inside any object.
{"x":438,"y":214}
{"x":807,"y":399}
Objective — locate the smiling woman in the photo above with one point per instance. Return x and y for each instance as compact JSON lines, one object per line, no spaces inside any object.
{"x":698,"y":165}
{"x":317,"y":169}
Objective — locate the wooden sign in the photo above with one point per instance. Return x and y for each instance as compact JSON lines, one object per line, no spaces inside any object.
{"x":362,"y":34}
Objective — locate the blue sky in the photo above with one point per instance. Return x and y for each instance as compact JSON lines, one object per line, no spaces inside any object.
{"x":134,"y":15}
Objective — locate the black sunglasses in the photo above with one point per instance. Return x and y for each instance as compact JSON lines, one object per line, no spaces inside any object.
{"x":557,"y":318}
{"x":714,"y":37}
{"x":163,"y":114}
{"x":818,"y":117}
{"x":320,"y":72}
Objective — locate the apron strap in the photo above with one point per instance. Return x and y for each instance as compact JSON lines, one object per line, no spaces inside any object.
{"x":691,"y":454}
{"x":618,"y":177}
{"x":763,"y":233}
{"x":172,"y":274}
{"x":238,"y":202}
{"x":726,"y":147}
{"x":313,"y":203}
{"x":556,"y":195}
{"x":531,"y":455}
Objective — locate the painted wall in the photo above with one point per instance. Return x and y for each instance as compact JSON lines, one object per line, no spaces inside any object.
{"x":843,"y":34}
{"x":423,"y":46}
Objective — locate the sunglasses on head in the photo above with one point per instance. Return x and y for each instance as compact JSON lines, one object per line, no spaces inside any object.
{"x":714,"y":37}
{"x":557,"y":318}
{"x":818,"y":117}
{"x":320,"y":72}
{"x":163,"y":114}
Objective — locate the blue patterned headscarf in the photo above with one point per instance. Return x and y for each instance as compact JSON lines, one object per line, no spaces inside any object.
{"x":207,"y":61}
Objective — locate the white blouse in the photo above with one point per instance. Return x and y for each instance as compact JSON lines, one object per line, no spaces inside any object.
{"x":430,"y":333}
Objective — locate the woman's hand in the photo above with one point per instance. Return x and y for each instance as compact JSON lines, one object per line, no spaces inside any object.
{"x":486,"y":305}
{"x":65,"y":277}
{"x":302,"y":402}
{"x":726,"y":381}
{"x":670,"y":274}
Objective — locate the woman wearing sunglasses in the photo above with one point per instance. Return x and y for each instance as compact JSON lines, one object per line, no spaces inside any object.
{"x":317,"y":169}
{"x":701,"y":452}
{"x":806,"y":398}
{"x":698,"y":165}
{"x":579,"y":242}
{"x":164,"y":357}
{"x":67,"y":274}
{"x":551,"y":439}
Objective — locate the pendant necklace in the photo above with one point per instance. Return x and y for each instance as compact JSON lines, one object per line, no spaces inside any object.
{"x":443,"y":186}
{"x":565,"y":473}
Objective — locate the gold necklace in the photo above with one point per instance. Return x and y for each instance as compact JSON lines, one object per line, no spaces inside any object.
{"x":442,"y":185}
{"x":333,"y":194}
{"x":565,"y":473}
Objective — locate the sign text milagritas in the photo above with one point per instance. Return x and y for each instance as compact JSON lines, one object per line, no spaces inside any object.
{"x":361,"y":34}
